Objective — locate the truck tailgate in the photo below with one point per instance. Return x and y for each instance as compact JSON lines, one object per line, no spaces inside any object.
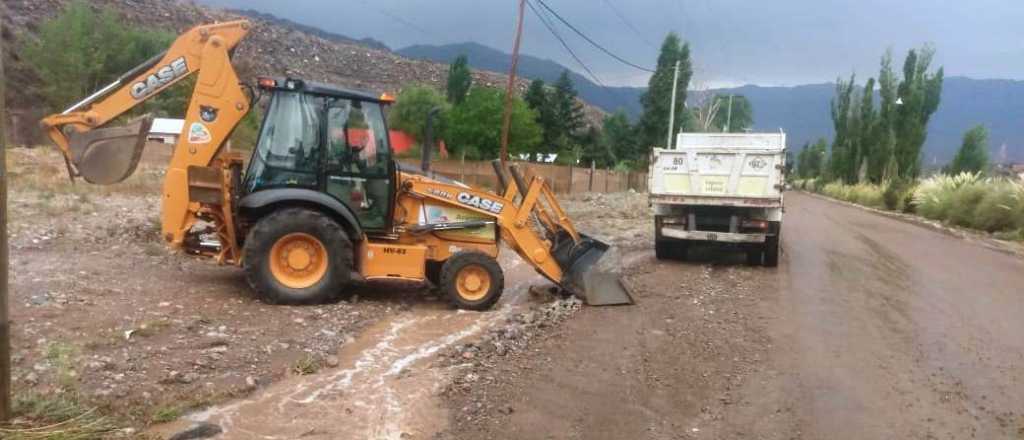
{"x":717,"y":167}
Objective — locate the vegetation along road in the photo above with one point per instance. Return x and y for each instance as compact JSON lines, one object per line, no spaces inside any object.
{"x":870,"y":328}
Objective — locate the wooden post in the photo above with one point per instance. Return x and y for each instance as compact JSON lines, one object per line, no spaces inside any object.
{"x":462,"y":167}
{"x":590,"y":183}
{"x":5,"y":323}
{"x":506,"y":122}
{"x":607,"y":177}
{"x":570,"y":177}
{"x":629,"y":180}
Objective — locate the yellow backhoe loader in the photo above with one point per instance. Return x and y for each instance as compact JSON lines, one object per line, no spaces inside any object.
{"x":321,"y":203}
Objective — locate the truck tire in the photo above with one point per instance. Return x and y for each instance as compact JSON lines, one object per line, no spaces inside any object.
{"x":771,"y":246}
{"x":472,"y":280}
{"x":755,"y":257}
{"x":298,"y":256}
{"x":671,"y":249}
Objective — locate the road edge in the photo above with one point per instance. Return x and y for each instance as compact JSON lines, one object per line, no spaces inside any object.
{"x":1007,"y":247}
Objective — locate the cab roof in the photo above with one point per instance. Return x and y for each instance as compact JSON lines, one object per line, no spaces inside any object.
{"x":319,"y":88}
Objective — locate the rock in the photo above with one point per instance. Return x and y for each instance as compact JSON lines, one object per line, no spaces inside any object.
{"x":188,"y":378}
{"x":32,"y":378}
{"x":332,"y":361}
{"x":250,"y":382}
{"x":199,"y":430}
{"x":468,"y":354}
{"x":500,"y":350}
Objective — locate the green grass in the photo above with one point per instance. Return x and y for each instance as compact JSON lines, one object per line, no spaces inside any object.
{"x":166,"y":414}
{"x":305,"y":366}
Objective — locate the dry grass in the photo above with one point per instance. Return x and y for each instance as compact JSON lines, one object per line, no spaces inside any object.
{"x":42,"y":170}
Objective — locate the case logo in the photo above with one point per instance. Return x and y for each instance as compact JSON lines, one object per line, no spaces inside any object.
{"x":480,"y":203}
{"x":164,"y":75}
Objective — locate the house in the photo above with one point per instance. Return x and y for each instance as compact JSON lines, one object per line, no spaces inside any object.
{"x":165,"y":130}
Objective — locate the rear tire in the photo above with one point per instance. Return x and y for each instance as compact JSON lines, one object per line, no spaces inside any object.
{"x":297,"y":256}
{"x":754,"y":257}
{"x":472,"y":280}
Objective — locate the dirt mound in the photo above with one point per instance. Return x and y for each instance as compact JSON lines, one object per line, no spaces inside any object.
{"x":270,"y":49}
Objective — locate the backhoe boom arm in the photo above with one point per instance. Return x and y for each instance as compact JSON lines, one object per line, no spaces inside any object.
{"x":109,"y":155}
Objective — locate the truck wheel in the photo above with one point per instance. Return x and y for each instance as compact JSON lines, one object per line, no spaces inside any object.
{"x":472,"y":280}
{"x":297,"y":256}
{"x":754,"y":257}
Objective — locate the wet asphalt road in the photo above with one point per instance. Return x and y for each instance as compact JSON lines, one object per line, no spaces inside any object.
{"x":884,"y":329}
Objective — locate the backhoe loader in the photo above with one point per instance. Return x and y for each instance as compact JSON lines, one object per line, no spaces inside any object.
{"x":321,"y":203}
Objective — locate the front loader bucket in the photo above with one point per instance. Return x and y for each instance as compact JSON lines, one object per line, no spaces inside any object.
{"x":109,"y":155}
{"x":584,"y":277}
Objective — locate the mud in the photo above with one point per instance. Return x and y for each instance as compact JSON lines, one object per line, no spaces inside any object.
{"x":870,"y":328}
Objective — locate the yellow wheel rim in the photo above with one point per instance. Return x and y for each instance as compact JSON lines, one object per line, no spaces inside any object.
{"x":298,"y":260}
{"x":473,"y":282}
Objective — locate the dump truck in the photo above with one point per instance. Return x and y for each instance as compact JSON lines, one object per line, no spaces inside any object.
{"x":723,"y":188}
{"x":320,"y":204}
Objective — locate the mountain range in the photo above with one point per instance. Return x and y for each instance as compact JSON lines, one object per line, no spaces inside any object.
{"x":802,"y":111}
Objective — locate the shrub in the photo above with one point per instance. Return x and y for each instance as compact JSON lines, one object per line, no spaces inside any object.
{"x":895,"y":194}
{"x":964,"y":201}
{"x":1001,"y":208}
{"x":933,"y":196}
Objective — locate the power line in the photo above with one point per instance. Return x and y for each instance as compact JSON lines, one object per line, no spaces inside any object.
{"x":626,"y":22}
{"x":590,"y":40}
{"x":399,"y":19}
{"x":551,"y":28}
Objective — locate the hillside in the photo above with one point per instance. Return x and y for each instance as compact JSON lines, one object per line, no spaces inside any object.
{"x":803,"y":111}
{"x":487,"y":58}
{"x":272,"y":48}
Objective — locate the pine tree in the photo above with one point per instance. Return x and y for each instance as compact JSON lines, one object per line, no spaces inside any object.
{"x":460,"y":80}
{"x":568,"y":112}
{"x":653,"y":125}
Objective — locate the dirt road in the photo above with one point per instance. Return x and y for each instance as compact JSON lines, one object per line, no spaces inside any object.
{"x":870,"y":328}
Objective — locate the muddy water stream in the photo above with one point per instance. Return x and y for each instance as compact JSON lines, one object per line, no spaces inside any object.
{"x":381,"y":388}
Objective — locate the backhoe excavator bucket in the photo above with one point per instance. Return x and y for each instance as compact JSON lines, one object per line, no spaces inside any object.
{"x":584,"y":276}
{"x":109,"y":155}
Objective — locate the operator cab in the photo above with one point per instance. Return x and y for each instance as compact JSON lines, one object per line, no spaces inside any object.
{"x":330,"y":140}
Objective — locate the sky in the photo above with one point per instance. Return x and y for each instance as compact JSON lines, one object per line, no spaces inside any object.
{"x":733,"y":42}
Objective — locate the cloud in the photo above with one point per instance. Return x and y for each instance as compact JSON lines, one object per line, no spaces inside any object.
{"x":779,"y":42}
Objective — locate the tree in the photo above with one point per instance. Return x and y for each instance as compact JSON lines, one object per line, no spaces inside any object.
{"x":811,"y":160}
{"x":656,"y":101}
{"x":919,"y":93}
{"x":474,"y":126}
{"x":459,"y":80}
{"x":742,"y":117}
{"x":620,"y":137}
{"x":568,"y":111}
{"x":409,"y":113}
{"x":538,"y":98}
{"x":973,"y":154}
{"x":82,"y":50}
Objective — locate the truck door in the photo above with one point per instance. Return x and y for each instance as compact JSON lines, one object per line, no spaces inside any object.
{"x":358,"y":167}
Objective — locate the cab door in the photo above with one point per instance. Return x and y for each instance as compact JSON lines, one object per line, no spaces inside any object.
{"x":359,"y":169}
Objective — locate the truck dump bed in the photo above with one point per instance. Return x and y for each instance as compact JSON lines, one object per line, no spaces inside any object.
{"x":720,"y":169}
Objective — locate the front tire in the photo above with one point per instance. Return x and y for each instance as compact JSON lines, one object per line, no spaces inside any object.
{"x":297,"y":256}
{"x":472,"y":280}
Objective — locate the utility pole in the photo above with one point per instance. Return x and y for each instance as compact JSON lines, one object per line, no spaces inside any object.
{"x":728,"y":116}
{"x":506,"y":123}
{"x":672,"y":109}
{"x":5,"y":323}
